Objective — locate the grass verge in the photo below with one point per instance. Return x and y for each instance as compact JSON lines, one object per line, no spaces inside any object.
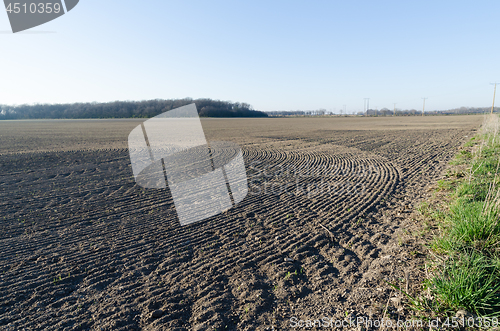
{"x":465,"y":274}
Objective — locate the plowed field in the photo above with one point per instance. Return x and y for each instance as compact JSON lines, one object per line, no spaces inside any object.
{"x":327,"y":219}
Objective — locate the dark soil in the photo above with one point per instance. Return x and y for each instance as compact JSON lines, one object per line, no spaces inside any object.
{"x":326,"y":224}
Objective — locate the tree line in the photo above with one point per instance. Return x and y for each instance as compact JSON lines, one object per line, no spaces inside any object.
{"x":127,"y":109}
{"x":414,"y":112}
{"x":383,"y":112}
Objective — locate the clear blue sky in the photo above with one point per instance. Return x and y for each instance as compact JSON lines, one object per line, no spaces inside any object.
{"x":275,"y":55}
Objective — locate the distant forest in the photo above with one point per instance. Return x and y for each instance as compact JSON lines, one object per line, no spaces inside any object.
{"x":126,"y":109}
{"x":206,"y":108}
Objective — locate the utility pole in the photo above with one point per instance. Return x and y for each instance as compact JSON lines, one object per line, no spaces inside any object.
{"x":494,"y":92}
{"x":367,"y":105}
{"x":345,"y":109}
{"x":423,"y":109}
{"x":394,"y":114}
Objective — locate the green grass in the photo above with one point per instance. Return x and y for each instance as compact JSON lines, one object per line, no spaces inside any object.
{"x":468,"y":225}
{"x":470,"y":281}
{"x":472,"y":142}
{"x":468,"y":274}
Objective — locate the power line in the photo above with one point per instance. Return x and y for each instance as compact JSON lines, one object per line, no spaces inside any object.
{"x":423,"y":109}
{"x":367,"y":105}
{"x":494,"y":92}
